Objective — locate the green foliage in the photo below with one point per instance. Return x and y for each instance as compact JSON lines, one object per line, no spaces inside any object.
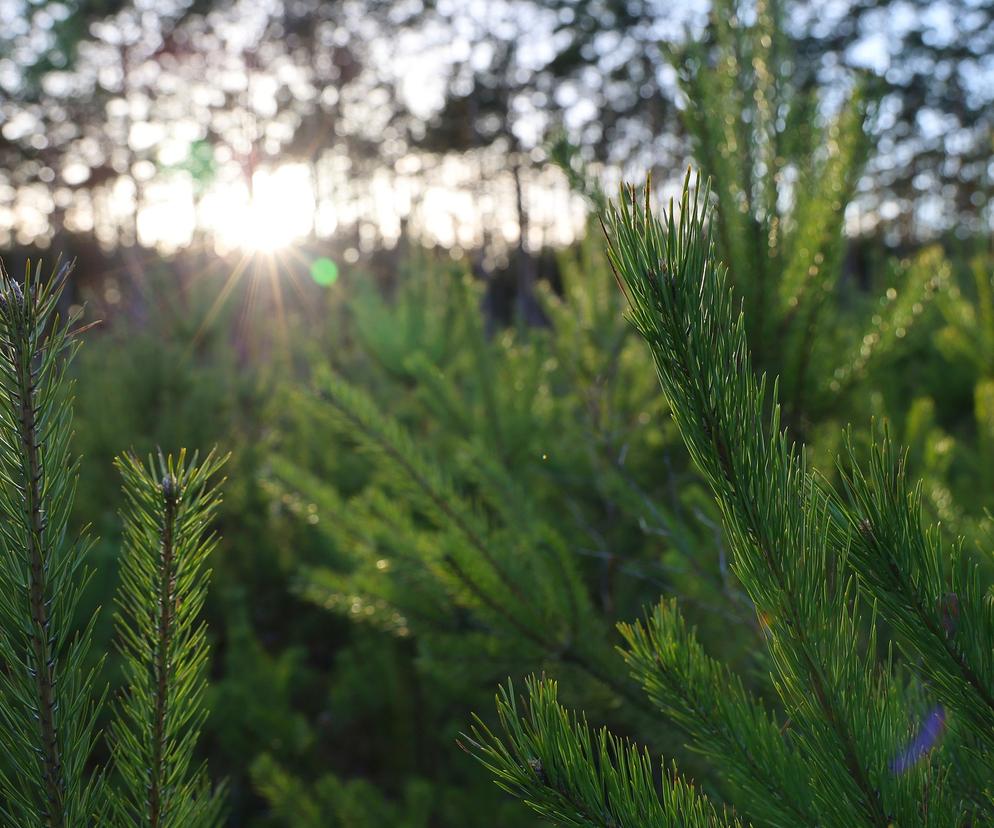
{"x":572,"y":777}
{"x":254,"y":705}
{"x":503,"y":510}
{"x":966,"y":340}
{"x":537,"y":597}
{"x":48,"y":702}
{"x":509,"y":505}
{"x":720,"y":718}
{"x":785,"y":168}
{"x":498,"y":462}
{"x":332,"y":802}
{"x":472,"y":503}
{"x":921,"y":279}
{"x":826,"y":574}
{"x":931,"y":596}
{"x":551,"y":445}
{"x":781,"y":184}
{"x":783,"y":174}
{"x":51,"y":697}
{"x":173,"y":370}
{"x":169,"y":507}
{"x":509,"y":511}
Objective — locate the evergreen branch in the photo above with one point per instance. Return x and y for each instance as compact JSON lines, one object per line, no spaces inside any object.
{"x":539,"y":598}
{"x":165,"y":601}
{"x":932,"y":598}
{"x":776,"y":516}
{"x":819,"y":213}
{"x":565,"y":155}
{"x":482,"y":573}
{"x":927,"y":277}
{"x":24,"y":357}
{"x":572,"y":777}
{"x":388,"y":577}
{"x":46,"y":697}
{"x":287,"y":796}
{"x":169,"y":507}
{"x":706,"y":700}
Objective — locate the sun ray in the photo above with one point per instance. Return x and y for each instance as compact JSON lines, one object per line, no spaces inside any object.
{"x":282,"y":334}
{"x":233,"y":278}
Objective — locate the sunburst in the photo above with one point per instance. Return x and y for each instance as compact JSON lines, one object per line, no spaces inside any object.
{"x":274,"y":214}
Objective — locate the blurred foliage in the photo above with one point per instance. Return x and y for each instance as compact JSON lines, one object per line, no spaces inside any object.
{"x":505,"y":504}
{"x":783,"y":177}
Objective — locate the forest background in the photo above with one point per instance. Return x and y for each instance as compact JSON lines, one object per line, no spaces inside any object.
{"x":352,"y":244}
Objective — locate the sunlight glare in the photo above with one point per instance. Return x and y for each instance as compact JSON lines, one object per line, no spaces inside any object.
{"x":279,"y":213}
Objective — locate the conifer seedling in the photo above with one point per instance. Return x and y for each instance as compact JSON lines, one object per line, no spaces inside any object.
{"x":50,"y":697}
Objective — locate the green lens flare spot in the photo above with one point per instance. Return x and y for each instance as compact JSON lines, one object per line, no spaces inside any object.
{"x":324,"y":271}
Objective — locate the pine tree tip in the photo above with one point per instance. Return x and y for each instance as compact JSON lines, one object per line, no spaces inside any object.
{"x":170,"y":489}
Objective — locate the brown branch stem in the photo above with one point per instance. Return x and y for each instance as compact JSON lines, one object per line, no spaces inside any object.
{"x":166,"y":598}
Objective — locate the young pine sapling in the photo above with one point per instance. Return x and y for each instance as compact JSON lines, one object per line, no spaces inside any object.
{"x":51,"y":692}
{"x":844,"y":737}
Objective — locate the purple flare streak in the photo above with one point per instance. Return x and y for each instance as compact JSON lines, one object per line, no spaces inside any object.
{"x":927,"y":738}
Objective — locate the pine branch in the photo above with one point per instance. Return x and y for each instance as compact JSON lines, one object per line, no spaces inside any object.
{"x":46,"y":697}
{"x":169,"y":507}
{"x":777,"y":518}
{"x":286,"y":795}
{"x":533,"y":593}
{"x":933,"y":598}
{"x":498,"y":589}
{"x":573,"y":777}
{"x":498,"y":584}
{"x":898,"y":310}
{"x":781,"y":180}
{"x":770,"y":781}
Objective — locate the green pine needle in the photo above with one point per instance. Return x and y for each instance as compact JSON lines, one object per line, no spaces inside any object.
{"x":849,"y":715}
{"x":769,"y":780}
{"x":574,"y":777}
{"x":170,"y":504}
{"x":47,"y":698}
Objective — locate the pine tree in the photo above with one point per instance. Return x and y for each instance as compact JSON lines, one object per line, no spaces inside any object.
{"x":785,"y":169}
{"x":50,"y":696}
{"x":49,"y":699}
{"x":784,"y":174}
{"x":461,"y":530}
{"x":169,"y":506}
{"x":780,"y":181}
{"x":490,"y":505}
{"x":835,"y":740}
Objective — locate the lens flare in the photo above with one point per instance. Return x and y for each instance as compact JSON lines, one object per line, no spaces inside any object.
{"x":928,"y":737}
{"x":324,"y":271}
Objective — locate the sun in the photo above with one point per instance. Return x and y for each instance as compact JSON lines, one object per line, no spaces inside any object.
{"x":278,"y":213}
{"x":261,"y":234}
{"x":267,"y":229}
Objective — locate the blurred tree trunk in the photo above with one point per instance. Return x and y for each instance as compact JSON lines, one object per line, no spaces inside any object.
{"x":527,"y":308}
